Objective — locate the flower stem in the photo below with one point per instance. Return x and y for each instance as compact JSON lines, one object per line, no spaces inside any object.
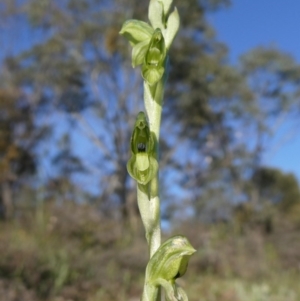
{"x":153,"y":98}
{"x":148,"y":195}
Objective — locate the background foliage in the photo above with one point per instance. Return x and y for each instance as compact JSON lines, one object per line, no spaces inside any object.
{"x":68,"y":99}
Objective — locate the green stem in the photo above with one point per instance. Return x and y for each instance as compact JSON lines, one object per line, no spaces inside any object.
{"x":143,"y":204}
{"x":153,"y":97}
{"x":148,"y":195}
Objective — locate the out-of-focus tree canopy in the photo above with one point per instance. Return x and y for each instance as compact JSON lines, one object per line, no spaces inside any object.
{"x":217,"y":117}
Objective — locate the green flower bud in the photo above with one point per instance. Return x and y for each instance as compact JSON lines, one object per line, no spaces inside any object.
{"x":153,"y":67}
{"x":142,"y":166}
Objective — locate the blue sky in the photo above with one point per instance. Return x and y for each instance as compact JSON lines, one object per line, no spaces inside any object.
{"x":276,"y":23}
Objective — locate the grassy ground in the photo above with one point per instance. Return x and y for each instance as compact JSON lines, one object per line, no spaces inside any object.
{"x":73,"y":254}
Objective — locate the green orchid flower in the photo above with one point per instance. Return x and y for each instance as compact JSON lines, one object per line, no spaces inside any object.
{"x":153,"y":67}
{"x":150,"y":43}
{"x":168,"y":263}
{"x":142,"y":166}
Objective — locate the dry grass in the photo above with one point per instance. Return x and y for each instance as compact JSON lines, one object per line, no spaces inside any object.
{"x":71,"y":253}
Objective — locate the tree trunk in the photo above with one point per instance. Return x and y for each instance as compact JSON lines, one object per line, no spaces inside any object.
{"x":6,"y":204}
